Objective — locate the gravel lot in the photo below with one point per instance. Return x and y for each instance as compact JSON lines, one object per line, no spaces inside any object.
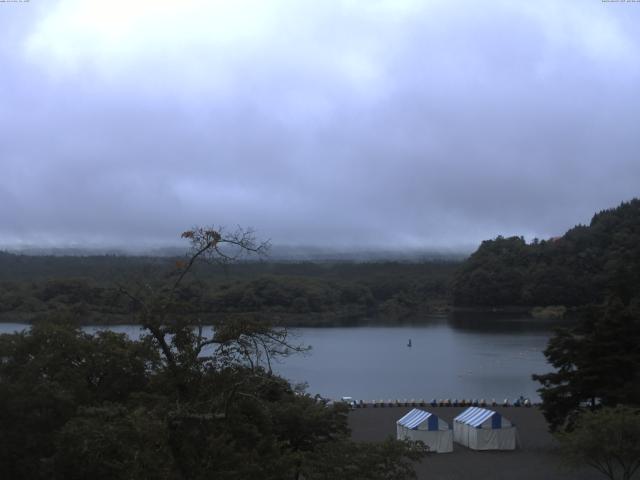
{"x":536,"y":457}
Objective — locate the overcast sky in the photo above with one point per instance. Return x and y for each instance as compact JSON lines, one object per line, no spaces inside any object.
{"x":374,"y":123}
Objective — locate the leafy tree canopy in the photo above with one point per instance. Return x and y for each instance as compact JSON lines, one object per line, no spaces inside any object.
{"x":176,"y":404}
{"x":607,"y":440}
{"x":579,"y":268}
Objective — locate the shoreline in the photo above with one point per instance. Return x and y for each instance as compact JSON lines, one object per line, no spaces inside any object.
{"x":318,"y":320}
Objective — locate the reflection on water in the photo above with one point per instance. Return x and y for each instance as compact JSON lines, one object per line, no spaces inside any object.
{"x":461,"y":355}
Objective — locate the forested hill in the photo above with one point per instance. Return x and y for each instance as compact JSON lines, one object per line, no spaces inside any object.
{"x":579,"y":268}
{"x":302,"y":293}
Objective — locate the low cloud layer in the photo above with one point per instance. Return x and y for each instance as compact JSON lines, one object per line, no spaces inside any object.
{"x":387,"y":123}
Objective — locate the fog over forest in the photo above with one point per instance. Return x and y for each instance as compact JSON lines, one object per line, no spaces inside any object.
{"x":371,"y":125}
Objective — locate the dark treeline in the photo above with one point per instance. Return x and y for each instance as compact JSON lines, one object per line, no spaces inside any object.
{"x":579,"y":268}
{"x":290,"y":293}
{"x":576,"y":269}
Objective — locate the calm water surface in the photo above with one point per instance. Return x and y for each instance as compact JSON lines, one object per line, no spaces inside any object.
{"x":454,"y":356}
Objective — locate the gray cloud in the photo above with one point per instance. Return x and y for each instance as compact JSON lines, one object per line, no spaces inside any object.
{"x":383,"y":123}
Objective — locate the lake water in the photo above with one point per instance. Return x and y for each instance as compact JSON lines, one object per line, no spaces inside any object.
{"x":454,"y":356}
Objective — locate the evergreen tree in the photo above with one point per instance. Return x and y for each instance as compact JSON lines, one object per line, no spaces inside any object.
{"x":597,"y":363}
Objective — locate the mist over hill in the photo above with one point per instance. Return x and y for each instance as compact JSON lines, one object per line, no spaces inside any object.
{"x":277,"y":253}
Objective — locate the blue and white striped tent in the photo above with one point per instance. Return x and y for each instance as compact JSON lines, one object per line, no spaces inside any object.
{"x":483,"y":429}
{"x":426,"y":427}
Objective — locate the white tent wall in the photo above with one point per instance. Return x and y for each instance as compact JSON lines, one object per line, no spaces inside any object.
{"x":458,"y":432}
{"x":438,"y":440}
{"x":492,"y":434}
{"x":492,"y":439}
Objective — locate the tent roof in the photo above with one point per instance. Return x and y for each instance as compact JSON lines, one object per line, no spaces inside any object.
{"x":414,"y":418}
{"x":474,"y":416}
